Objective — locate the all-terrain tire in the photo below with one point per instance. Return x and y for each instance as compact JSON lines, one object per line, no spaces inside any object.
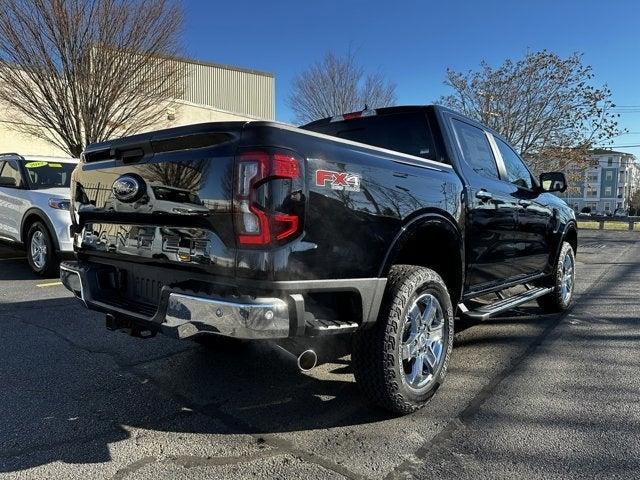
{"x":377,"y":363}
{"x":558,"y":300}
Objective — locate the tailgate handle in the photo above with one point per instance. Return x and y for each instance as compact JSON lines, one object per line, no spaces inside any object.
{"x":130,"y":155}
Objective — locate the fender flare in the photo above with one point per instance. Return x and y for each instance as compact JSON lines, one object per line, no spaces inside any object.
{"x":35,"y":211}
{"x":570,"y":225}
{"x":411,"y":227}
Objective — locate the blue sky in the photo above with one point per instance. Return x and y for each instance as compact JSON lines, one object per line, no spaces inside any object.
{"x":413,"y":42}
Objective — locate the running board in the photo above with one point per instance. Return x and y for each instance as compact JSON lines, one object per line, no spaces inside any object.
{"x":486,"y":311}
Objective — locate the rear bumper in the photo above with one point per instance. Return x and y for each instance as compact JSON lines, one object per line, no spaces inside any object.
{"x":183,"y":313}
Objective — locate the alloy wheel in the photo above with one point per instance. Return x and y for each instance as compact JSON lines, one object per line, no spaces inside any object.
{"x":566,"y":282}
{"x":38,"y":249}
{"x":423,"y":341}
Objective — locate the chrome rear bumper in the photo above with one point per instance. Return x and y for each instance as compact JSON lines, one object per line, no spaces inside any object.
{"x":186,"y":315}
{"x":252,"y":319}
{"x":184,"y":307}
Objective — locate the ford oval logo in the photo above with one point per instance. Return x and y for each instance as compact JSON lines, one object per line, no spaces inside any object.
{"x":128,"y":188}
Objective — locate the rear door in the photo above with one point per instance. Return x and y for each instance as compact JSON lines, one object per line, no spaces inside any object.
{"x":491,"y":236}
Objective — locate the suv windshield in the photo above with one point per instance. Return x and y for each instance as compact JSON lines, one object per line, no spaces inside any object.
{"x":45,"y":174}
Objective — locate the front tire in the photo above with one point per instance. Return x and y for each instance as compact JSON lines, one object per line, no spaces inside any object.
{"x":40,"y":251}
{"x":401,"y":361}
{"x":561,"y":297}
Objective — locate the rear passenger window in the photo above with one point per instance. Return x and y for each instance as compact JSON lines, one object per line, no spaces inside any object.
{"x":401,"y":132}
{"x":10,"y":170}
{"x":476,"y":149}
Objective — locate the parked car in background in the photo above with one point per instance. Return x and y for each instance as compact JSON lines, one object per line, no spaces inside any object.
{"x":34,"y":207}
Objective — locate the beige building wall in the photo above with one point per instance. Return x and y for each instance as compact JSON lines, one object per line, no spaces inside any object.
{"x":212,"y":93}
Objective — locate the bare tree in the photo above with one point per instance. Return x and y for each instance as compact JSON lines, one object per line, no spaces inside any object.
{"x":338,"y":85}
{"x":544,"y":105}
{"x":81,"y":71}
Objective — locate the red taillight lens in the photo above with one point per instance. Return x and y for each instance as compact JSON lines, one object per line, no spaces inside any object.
{"x":268,"y":198}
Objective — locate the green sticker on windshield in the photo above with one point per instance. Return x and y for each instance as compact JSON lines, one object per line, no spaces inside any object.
{"x":35,"y":164}
{"x":42,"y":164}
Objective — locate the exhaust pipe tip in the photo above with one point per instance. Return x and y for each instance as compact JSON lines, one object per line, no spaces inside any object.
{"x":307,"y":360}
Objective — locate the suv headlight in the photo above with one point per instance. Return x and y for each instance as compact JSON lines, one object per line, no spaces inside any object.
{"x":59,"y":204}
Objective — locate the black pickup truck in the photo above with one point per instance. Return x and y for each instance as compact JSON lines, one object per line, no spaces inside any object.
{"x":383,"y":224}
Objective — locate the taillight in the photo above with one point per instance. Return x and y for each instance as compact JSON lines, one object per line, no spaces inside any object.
{"x":268,"y":197}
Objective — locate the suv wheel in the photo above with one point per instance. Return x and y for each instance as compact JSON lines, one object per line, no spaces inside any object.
{"x":402,"y":360}
{"x":563,"y":282}
{"x":40,"y":251}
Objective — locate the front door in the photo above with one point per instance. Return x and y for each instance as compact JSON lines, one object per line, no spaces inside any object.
{"x":535,"y":219}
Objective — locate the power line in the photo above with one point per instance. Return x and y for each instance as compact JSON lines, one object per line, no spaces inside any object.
{"x":620,"y":146}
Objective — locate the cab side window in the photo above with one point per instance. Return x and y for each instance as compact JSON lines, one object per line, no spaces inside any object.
{"x":10,"y":170}
{"x":517,"y":172}
{"x":476,"y":149}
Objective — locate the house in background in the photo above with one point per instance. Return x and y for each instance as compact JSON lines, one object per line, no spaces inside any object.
{"x":210,"y":93}
{"x":609,"y":183}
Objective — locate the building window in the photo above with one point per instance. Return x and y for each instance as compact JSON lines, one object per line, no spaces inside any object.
{"x":607,"y":191}
{"x":609,"y":175}
{"x":609,"y":161}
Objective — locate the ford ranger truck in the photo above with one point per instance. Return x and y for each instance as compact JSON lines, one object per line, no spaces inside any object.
{"x":382,"y":225}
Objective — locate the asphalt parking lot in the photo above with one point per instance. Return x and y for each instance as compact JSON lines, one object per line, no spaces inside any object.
{"x":527,"y":396}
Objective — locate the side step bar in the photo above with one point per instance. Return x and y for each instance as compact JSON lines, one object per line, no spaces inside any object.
{"x":486,"y":311}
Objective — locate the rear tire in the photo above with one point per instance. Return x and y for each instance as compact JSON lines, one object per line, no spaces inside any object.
{"x":401,"y":361}
{"x":561,"y":297}
{"x":40,"y":251}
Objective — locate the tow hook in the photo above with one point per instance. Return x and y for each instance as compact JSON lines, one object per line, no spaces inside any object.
{"x":114,"y":323}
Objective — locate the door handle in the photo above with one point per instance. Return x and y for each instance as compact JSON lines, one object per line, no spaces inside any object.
{"x":484,"y":195}
{"x":524,"y":203}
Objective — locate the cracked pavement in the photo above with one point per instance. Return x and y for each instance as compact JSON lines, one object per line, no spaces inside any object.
{"x":527,"y":395}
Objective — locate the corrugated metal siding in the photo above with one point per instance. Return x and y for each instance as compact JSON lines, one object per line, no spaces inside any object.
{"x":245,"y":92}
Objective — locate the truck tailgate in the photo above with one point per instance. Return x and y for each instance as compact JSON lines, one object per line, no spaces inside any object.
{"x":163,"y":198}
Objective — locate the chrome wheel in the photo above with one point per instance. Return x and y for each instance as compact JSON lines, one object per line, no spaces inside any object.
{"x":423,"y":340}
{"x":566,"y":282}
{"x":38,"y":250}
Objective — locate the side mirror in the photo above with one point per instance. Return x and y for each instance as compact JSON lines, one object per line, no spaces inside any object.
{"x":553,"y":182}
{"x":8,"y":182}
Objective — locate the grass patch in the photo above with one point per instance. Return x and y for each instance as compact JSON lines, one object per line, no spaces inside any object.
{"x":612,"y":225}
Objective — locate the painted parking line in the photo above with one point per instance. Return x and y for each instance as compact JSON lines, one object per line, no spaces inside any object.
{"x":52,"y":284}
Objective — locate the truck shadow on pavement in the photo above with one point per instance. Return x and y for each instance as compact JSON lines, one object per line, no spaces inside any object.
{"x":71,"y":389}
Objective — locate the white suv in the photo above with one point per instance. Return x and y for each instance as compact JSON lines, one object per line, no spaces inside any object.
{"x":34,"y":207}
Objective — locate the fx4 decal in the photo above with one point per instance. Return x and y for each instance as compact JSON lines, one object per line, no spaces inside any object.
{"x":338,"y":180}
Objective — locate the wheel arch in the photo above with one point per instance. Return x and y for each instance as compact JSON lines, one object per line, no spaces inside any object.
{"x":571,"y":235}
{"x":31,"y":216}
{"x":430,"y":240}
